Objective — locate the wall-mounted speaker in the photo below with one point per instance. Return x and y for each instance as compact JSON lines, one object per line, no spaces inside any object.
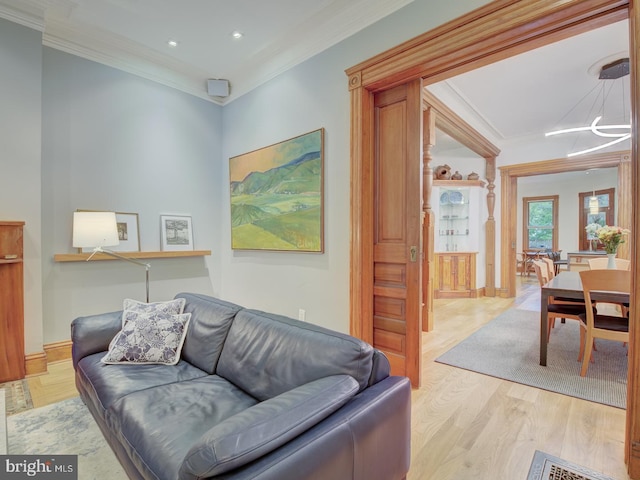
{"x":218,"y":88}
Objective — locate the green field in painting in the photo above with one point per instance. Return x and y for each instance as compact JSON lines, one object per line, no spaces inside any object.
{"x":249,"y":236}
{"x":295,"y":230}
{"x":276,"y":204}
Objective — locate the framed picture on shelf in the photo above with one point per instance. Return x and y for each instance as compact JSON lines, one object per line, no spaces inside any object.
{"x":128,"y":233}
{"x":176,"y":233}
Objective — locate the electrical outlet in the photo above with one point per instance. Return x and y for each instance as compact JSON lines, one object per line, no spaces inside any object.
{"x":302,"y":314}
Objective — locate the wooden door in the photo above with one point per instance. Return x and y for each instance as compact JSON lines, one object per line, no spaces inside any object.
{"x":397,"y":246}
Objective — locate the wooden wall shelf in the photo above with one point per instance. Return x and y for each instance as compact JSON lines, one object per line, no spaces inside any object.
{"x":459,"y":183}
{"x":81,"y":257}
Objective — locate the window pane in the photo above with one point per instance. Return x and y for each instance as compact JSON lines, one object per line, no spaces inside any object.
{"x":540,"y":238}
{"x":541,"y":214}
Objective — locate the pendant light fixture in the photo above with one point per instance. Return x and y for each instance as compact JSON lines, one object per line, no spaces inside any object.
{"x":594,"y":207}
{"x":610,"y":75}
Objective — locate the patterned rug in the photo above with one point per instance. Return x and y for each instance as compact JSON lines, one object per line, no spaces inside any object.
{"x":17,"y":396}
{"x":548,"y":467}
{"x":65,"y":428}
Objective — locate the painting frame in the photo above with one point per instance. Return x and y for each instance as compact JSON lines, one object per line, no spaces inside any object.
{"x":128,"y":232}
{"x":277,"y":196}
{"x":182,"y":237}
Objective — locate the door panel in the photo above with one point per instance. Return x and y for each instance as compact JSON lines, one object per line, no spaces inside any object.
{"x":397,"y":249}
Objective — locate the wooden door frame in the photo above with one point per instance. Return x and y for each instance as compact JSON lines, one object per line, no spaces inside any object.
{"x":496,"y":31}
{"x":509,"y":175}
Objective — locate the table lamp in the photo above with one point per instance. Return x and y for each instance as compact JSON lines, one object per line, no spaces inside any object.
{"x":98,"y":230}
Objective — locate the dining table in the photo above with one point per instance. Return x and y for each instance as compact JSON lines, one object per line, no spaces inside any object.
{"x":567,"y":284}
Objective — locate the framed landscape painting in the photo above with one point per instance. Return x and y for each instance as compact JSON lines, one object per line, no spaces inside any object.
{"x":277,"y":196}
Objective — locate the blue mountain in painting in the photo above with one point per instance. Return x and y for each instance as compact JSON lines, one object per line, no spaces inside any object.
{"x":297,"y":176}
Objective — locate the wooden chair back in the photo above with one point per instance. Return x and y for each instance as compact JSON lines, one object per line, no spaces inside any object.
{"x":601,"y":263}
{"x":550,"y":267}
{"x":607,"y":327}
{"x":542,"y":271}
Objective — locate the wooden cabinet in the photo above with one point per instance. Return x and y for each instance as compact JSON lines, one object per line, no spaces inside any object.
{"x":12,"y":366}
{"x":455,"y":275}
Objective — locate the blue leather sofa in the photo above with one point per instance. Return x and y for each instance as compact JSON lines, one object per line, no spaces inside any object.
{"x":254,"y":395}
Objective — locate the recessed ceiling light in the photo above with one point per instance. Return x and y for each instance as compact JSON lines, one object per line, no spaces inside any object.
{"x":172,"y":43}
{"x":237,"y":34}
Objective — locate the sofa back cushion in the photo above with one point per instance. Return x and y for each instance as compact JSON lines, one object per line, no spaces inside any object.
{"x":266,"y":354}
{"x":208,"y":328}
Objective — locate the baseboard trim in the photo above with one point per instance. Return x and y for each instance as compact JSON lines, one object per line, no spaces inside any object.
{"x":35,"y":363}
{"x":58,"y":351}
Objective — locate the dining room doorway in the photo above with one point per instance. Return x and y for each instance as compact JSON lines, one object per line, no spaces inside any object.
{"x":476,"y":39}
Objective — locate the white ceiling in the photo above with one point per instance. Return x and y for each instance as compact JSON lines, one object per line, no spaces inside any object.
{"x":517,"y":98}
{"x":132,"y":35}
{"x":521,"y":98}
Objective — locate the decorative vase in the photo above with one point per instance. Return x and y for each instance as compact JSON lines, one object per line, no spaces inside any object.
{"x":611,"y":261}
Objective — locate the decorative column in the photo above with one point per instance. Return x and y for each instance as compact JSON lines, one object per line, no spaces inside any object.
{"x":490,"y":238}
{"x":428,"y":141}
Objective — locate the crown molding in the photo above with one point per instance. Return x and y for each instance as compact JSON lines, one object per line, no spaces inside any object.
{"x":25,"y":13}
{"x":321,"y":31}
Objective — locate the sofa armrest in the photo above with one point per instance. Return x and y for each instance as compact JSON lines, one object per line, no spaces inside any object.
{"x":93,"y":334}
{"x":265,"y":426}
{"x":369,"y":438}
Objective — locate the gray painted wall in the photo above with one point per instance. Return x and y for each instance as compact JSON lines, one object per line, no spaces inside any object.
{"x":113,"y":141}
{"x":20,"y":133}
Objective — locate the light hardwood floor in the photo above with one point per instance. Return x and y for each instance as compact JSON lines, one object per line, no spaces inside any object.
{"x":469,"y":426}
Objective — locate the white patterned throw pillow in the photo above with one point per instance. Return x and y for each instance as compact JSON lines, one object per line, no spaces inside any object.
{"x":148,"y":338}
{"x":171,"y":307}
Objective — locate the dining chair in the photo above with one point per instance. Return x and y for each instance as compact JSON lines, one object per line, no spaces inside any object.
{"x":597,"y":325}
{"x":557,"y":308}
{"x":601,"y":263}
{"x":558,"y":262}
{"x":550,"y":267}
{"x":520,"y":263}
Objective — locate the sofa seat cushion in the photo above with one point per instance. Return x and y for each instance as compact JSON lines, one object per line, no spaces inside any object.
{"x":157,"y":426}
{"x":108,"y":383}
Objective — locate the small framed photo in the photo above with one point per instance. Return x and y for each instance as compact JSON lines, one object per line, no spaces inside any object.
{"x":128,"y":233}
{"x":176,"y":233}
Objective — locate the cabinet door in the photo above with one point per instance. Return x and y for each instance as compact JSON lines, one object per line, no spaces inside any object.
{"x":454,"y":275}
{"x":12,"y":365}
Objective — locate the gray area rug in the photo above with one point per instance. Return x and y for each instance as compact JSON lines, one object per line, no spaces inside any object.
{"x":17,"y":396}
{"x":508,"y":347}
{"x":65,"y":428}
{"x":548,"y":467}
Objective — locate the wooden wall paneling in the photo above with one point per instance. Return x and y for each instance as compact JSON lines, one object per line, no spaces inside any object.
{"x":361,"y":234}
{"x":632,"y":436}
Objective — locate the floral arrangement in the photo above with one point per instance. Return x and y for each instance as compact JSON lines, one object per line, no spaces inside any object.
{"x":591,"y":229}
{"x":611,"y":237}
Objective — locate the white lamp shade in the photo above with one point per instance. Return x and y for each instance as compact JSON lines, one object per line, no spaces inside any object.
{"x":95,"y":229}
{"x":594,"y":206}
